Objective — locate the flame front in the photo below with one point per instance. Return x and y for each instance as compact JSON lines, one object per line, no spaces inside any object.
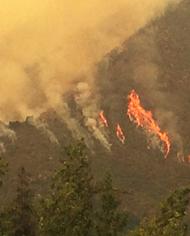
{"x":144,"y":119}
{"x":120,"y":134}
{"x":103,"y":119}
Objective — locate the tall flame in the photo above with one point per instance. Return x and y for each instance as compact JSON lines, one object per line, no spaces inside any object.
{"x":120,"y":134}
{"x":103,"y":119}
{"x":145,"y":119}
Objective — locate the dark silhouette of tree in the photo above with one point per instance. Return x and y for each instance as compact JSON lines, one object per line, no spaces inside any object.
{"x":71,"y":208}
{"x":170,"y":220}
{"x":76,"y":206}
{"x":19,"y":218}
{"x":68,"y":210}
{"x":110,"y":219}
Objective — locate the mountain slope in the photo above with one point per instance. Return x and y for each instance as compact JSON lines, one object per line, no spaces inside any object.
{"x":154,"y":62}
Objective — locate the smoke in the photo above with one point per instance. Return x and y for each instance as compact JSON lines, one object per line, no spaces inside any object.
{"x":6,"y":132}
{"x":2,"y":148}
{"x":46,"y":46}
{"x":78,"y":132}
{"x":44,"y":129}
{"x":86,"y":98}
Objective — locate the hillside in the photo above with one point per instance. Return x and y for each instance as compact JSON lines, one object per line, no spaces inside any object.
{"x":154,"y":62}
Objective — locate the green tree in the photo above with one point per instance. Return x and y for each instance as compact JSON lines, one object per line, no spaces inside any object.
{"x":68,"y":210}
{"x":19,"y":218}
{"x":110,"y":220}
{"x":170,"y":221}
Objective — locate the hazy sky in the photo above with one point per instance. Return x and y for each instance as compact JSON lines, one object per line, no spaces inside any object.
{"x":46,"y":45}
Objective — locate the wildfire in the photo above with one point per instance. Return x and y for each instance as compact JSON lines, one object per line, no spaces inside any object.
{"x":120,"y":134}
{"x":145,"y":119}
{"x":103,"y":119}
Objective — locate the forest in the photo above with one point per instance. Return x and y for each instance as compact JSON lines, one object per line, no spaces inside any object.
{"x":78,"y":205}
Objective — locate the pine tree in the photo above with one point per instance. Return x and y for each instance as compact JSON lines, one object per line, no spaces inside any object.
{"x":170,"y":220}
{"x":19,"y":218}
{"x":3,"y":169}
{"x":68,"y":210}
{"x":111,"y":221}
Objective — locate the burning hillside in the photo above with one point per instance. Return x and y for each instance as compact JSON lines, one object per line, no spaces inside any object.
{"x":145,"y":119}
{"x":152,"y":62}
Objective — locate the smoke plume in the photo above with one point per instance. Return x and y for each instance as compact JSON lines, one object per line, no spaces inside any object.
{"x":86,"y":98}
{"x":6,"y":132}
{"x":43,"y":128}
{"x":46,"y":46}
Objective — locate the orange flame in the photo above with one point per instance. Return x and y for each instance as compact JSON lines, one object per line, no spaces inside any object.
{"x":120,"y":134}
{"x":103,"y":119}
{"x":144,"y":119}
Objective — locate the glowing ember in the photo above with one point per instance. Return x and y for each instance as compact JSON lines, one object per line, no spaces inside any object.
{"x":103,"y":119}
{"x":144,"y":119}
{"x":120,"y":134}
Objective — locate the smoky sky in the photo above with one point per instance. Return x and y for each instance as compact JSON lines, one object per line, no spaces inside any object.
{"x":46,"y":46}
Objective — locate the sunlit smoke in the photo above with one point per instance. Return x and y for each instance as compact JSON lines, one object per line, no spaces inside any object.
{"x":6,"y":132}
{"x":45,"y":47}
{"x":43,"y":128}
{"x":86,"y":99}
